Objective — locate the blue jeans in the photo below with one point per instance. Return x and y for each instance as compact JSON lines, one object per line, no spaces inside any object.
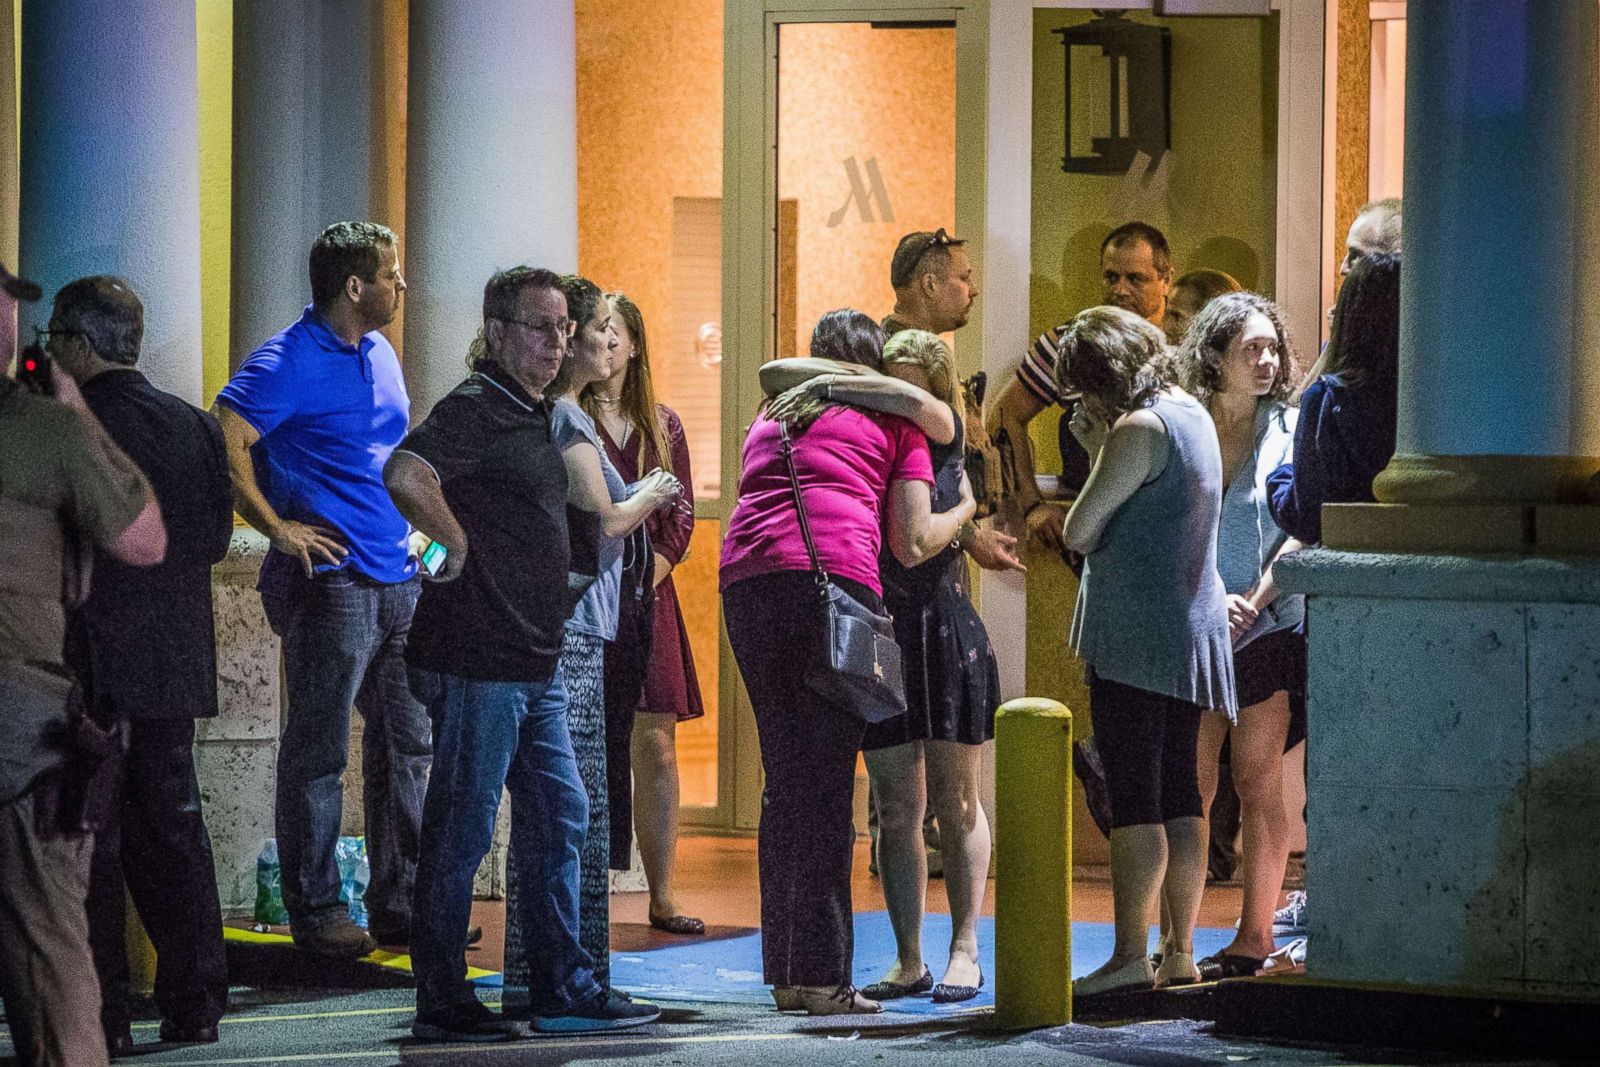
{"x":489,"y":735}
{"x":344,"y":642}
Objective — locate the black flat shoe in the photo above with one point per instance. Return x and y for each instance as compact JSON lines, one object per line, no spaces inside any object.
{"x":955,"y":994}
{"x":679,"y":924}
{"x":896,"y":990}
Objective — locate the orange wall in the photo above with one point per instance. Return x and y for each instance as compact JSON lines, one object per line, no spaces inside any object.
{"x":850,"y":91}
{"x":649,"y":130}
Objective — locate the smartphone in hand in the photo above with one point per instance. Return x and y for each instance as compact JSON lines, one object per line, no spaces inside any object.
{"x":33,"y":370}
{"x":433,"y":558}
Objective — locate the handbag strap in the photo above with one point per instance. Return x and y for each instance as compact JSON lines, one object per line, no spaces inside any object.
{"x":817,"y":568}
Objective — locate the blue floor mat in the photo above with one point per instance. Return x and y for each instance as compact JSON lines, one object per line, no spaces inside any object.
{"x":729,"y":971}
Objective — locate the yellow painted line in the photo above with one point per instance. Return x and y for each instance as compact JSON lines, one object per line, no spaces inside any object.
{"x":516,"y":1046}
{"x":398,"y":961}
{"x":301,"y":1016}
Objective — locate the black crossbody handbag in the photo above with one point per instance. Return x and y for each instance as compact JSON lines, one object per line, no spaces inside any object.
{"x":858,"y":666}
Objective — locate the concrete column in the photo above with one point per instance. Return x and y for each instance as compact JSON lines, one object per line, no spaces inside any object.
{"x":1499,"y":378}
{"x":110,"y":169}
{"x":303,"y":148}
{"x":491,"y":170}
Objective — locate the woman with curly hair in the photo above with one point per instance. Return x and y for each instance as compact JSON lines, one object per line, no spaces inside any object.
{"x":1237,"y":360}
{"x":1151,"y":624}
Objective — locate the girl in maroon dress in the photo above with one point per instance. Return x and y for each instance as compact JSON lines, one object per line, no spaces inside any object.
{"x":650,"y":681}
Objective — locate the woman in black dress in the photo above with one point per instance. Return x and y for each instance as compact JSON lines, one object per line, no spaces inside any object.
{"x":929,"y":757}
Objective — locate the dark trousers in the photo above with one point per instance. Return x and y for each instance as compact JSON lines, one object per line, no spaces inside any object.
{"x":808,"y":751}
{"x":344,"y":640}
{"x":156,"y":845}
{"x":627,"y":663}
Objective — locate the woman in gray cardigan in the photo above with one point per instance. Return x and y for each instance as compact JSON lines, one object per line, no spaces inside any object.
{"x":1151,"y":625}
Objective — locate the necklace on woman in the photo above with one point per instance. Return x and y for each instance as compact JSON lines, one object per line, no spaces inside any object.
{"x":608,"y":401}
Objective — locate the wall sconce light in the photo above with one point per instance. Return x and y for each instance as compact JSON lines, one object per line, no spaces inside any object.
{"x":1140,"y":89}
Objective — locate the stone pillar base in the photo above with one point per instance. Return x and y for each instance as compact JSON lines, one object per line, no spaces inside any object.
{"x":1418,"y":479}
{"x":1464,"y":527}
{"x":236,"y":754}
{"x":1451,"y":771}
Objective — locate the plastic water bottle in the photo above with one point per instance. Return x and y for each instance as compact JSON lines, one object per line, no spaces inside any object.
{"x":269,"y":910}
{"x":350,"y":853}
{"x":358,"y":890}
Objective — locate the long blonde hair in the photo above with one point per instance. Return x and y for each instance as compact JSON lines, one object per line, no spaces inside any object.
{"x":638,"y":392}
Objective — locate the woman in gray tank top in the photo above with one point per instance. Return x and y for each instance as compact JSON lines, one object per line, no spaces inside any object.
{"x":1237,"y":361}
{"x":1151,"y":625}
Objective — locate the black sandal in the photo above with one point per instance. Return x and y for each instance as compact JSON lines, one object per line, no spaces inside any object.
{"x":955,"y":994}
{"x":896,"y":990}
{"x":1227,"y":965}
{"x":683,"y":925}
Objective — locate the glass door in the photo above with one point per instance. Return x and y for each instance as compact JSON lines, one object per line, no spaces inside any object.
{"x":859,"y":124}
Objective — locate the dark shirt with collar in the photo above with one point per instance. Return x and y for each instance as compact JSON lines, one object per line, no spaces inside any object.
{"x":501,"y":620}
{"x":329,"y":414}
{"x":144,"y":641}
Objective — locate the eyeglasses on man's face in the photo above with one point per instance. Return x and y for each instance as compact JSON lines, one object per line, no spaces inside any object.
{"x":561,"y":329}
{"x":47,"y":335}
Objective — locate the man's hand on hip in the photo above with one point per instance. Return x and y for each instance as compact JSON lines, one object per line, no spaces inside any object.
{"x":309,"y":544}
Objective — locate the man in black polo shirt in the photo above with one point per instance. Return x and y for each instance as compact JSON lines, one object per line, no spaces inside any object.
{"x":482,"y":478}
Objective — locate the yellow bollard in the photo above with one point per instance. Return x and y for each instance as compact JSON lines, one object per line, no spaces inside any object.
{"x":1033,"y":877}
{"x":141,"y":953}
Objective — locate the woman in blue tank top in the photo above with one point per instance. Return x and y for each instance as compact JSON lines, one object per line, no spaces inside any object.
{"x":1151,"y":625}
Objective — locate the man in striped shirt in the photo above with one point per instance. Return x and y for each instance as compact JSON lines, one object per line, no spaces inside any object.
{"x":1136,"y":271}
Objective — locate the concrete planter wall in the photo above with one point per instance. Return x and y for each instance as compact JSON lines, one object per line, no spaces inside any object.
{"x":1453,"y":770}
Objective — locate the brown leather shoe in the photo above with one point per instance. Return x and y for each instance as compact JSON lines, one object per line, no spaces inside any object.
{"x":341,"y":938}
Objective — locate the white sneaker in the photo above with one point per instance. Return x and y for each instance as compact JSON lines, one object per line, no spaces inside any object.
{"x":1291,"y":918}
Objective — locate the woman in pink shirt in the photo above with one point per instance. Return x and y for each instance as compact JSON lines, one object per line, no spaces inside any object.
{"x":865,"y":477}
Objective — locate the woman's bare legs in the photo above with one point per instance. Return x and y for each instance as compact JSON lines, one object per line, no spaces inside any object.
{"x":1138,"y":860}
{"x":952,"y":773}
{"x":1258,"y":776}
{"x":1184,"y":880}
{"x":655,"y":805}
{"x":898,"y":782}
{"x":1208,"y":760}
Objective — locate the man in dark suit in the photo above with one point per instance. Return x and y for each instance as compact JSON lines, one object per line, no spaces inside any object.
{"x":144,"y":646}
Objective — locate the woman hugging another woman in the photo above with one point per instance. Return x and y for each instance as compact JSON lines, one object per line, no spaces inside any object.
{"x":930,"y":755}
{"x":865,"y":479}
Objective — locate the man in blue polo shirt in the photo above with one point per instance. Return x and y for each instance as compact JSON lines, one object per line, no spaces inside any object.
{"x":309,"y":420}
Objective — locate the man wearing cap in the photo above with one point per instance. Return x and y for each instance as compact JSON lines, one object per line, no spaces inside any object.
{"x":62,"y":481}
{"x":144,"y":649}
{"x":309,"y":420}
